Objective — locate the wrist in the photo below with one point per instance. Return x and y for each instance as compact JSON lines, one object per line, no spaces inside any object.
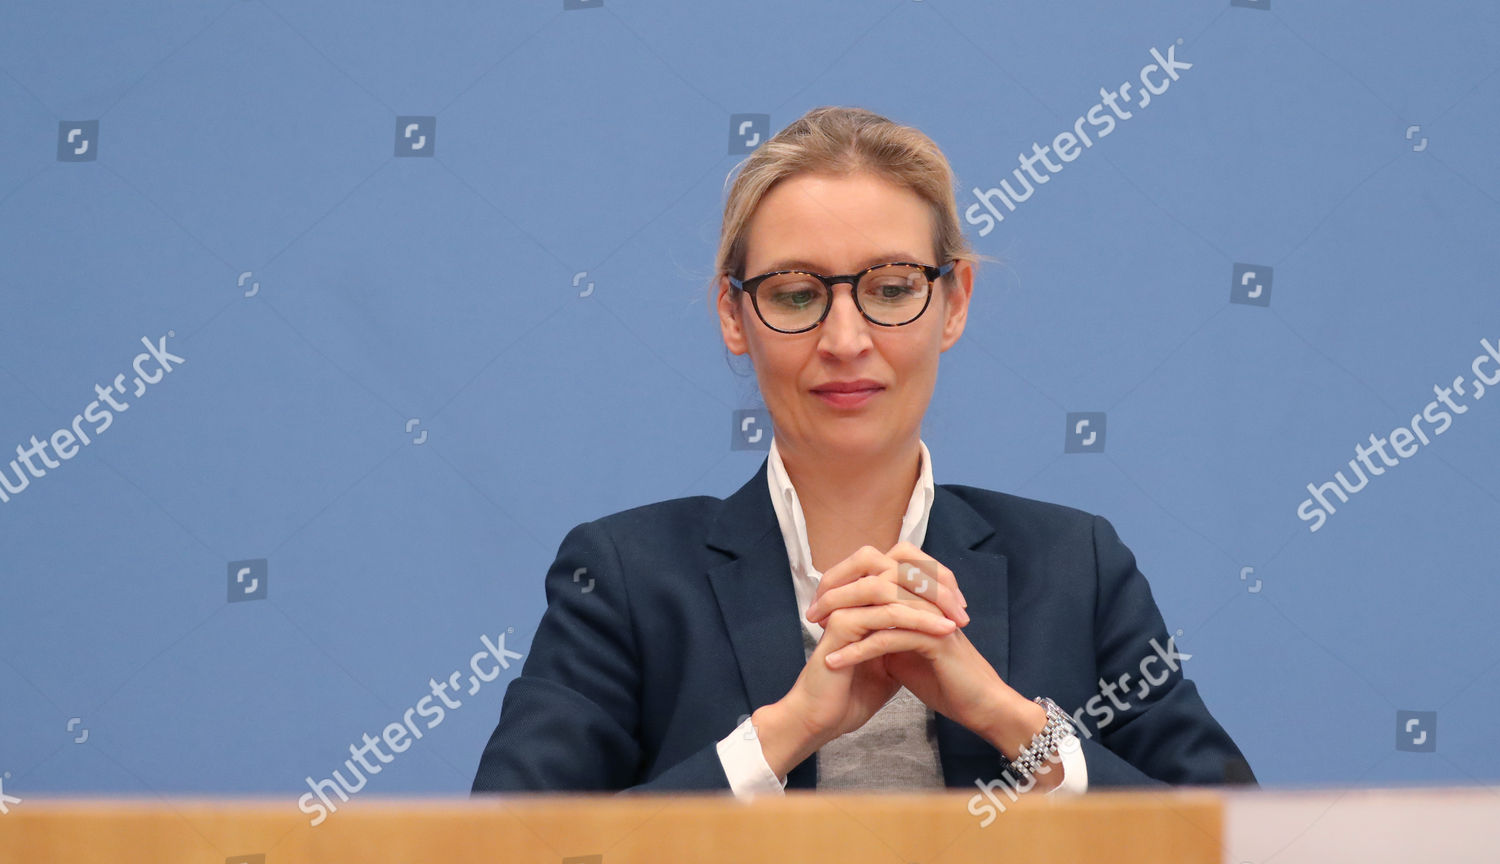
{"x":1045,"y":748}
{"x":785,"y":739}
{"x":1015,"y":723}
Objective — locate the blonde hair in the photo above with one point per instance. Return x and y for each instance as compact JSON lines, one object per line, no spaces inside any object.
{"x":841,"y":141}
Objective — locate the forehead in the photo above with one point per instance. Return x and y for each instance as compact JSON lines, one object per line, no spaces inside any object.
{"x":837,"y":224}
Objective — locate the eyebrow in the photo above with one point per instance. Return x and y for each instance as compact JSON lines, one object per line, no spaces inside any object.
{"x":801,"y":264}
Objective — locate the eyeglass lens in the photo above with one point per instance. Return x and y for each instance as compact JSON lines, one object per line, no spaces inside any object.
{"x":890,"y":295}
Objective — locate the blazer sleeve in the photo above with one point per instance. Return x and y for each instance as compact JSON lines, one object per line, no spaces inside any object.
{"x":1164,"y":734}
{"x":571,"y":720}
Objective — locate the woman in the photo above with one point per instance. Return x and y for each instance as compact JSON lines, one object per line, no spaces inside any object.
{"x":950,"y":636}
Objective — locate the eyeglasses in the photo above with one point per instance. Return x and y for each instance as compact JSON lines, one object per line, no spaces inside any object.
{"x":795,"y":301}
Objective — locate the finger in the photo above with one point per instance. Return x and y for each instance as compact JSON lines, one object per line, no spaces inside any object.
{"x":912,"y":586}
{"x":850,"y":624}
{"x":880,"y":643}
{"x":905,"y":551}
{"x":867,"y":591}
{"x":876,"y":591}
{"x":866,"y":561}
{"x":927,"y":586}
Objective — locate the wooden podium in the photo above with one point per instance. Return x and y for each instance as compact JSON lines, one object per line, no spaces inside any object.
{"x":1179,"y":826}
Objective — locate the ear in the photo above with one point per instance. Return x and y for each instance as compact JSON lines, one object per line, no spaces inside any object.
{"x":956,"y":302}
{"x":731,"y":318}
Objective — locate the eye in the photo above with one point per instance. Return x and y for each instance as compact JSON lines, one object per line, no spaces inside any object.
{"x":894,"y":285}
{"x":792,"y":290}
{"x":892,"y":289}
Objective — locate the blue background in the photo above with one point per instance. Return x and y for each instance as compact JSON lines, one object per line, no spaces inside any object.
{"x":249,"y":148}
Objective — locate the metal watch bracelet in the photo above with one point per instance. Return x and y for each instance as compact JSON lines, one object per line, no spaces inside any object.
{"x":1059,"y":726}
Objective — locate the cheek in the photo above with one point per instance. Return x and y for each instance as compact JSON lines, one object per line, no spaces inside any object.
{"x":914,"y":359}
{"x":778,"y":365}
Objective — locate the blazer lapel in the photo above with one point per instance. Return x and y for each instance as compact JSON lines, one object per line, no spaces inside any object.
{"x":964,"y":541}
{"x":758,"y":604}
{"x":759,"y":607}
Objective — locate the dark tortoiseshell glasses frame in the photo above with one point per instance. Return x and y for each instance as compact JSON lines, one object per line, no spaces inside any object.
{"x":932,"y":273}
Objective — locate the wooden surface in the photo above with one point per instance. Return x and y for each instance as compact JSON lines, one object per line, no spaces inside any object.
{"x":1180,"y":826}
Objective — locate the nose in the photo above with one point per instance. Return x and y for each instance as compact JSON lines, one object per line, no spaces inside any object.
{"x":845,"y":332}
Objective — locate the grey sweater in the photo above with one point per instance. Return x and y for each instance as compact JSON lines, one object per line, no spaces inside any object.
{"x":895,"y":749}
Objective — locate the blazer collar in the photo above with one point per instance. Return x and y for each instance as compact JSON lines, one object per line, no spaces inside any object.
{"x":759,"y":609}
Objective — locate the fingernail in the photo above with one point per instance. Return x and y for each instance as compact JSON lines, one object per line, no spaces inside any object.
{"x":834,"y":657}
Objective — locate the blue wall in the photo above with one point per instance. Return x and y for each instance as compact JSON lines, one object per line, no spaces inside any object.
{"x":435,"y":279}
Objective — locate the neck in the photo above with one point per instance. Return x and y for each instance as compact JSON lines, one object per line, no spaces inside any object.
{"x":852,"y":500}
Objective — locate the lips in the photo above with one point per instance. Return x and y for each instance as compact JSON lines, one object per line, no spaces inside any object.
{"x":848,"y":395}
{"x":860,"y":386}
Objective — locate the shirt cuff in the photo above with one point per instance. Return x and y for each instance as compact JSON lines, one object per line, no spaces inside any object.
{"x":745,"y":764}
{"x":1075,"y":769}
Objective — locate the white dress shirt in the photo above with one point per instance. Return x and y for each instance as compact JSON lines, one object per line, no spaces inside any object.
{"x":740,"y":752}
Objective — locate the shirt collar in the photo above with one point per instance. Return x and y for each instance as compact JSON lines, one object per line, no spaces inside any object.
{"x":794,"y":525}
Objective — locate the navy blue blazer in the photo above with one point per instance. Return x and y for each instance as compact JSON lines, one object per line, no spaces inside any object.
{"x":667,"y":624}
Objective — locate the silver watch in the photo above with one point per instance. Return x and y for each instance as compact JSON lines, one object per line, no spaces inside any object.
{"x":1059,"y":726}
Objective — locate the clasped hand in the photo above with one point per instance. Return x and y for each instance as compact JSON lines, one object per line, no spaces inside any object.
{"x":895,"y":619}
